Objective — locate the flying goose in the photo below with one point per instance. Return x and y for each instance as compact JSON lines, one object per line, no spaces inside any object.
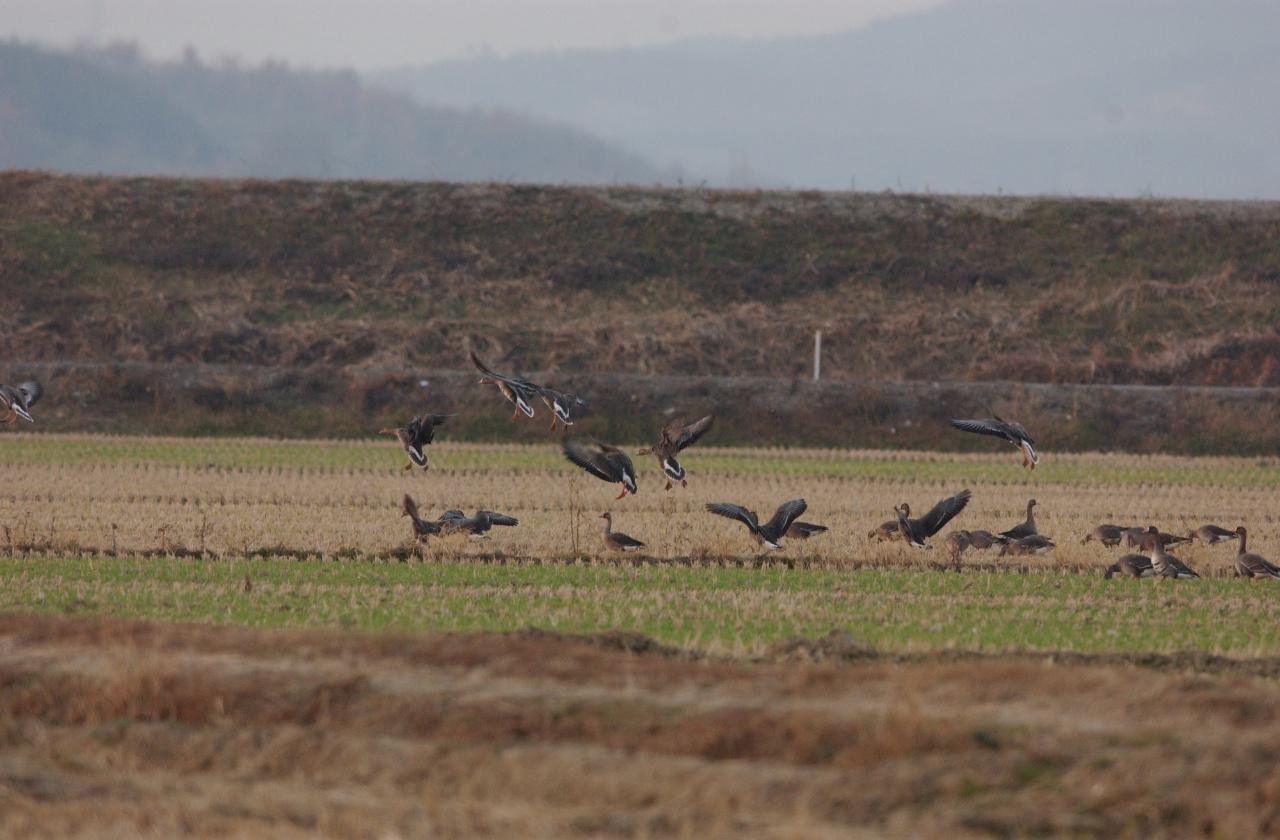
{"x":562,"y":406}
{"x":615,"y":540}
{"x":1108,"y":535}
{"x":416,"y":434}
{"x":1130,"y":565}
{"x":607,"y":463}
{"x":1163,"y":563}
{"x":1026,"y":528}
{"x":676,"y":436}
{"x":518,"y":391}
{"x":1252,"y":565}
{"x":422,"y":528}
{"x":916,"y":531}
{"x":1212,"y":534}
{"x":768,"y":534}
{"x":17,"y":402}
{"x":1030,"y":544}
{"x":455,"y":521}
{"x":1015,"y":433}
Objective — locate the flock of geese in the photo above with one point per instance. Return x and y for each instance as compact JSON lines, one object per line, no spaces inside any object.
{"x":614,"y":466}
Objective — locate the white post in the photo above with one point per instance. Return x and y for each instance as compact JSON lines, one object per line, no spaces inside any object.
{"x":817,"y":355}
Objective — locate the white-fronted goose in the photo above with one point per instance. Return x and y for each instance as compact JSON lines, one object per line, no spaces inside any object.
{"x":676,"y":436}
{"x":1025,"y":528}
{"x":1108,"y":535}
{"x":1252,"y":565}
{"x":422,"y":528}
{"x":956,"y":542}
{"x":1130,"y":565}
{"x":916,"y":531}
{"x":1163,"y":563}
{"x":520,"y":392}
{"x":1030,"y":544}
{"x":886,"y":531}
{"x":1015,"y":433}
{"x":455,"y":521}
{"x":416,"y":434}
{"x":562,"y":405}
{"x":607,"y":463}
{"x":770,"y":533}
{"x":17,"y":401}
{"x":1138,"y":537}
{"x":615,"y":540}
{"x":1211,"y":534}
{"x":804,"y":530}
{"x":980,"y":540}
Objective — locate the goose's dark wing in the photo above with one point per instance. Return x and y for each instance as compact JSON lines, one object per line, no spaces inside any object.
{"x":31,"y":392}
{"x":603,"y":464}
{"x":942,"y":513}
{"x":496,"y":518}
{"x":786,"y":513}
{"x":427,"y":427}
{"x":738,"y":512}
{"x":689,"y":435}
{"x":995,"y":428}
{"x":410,"y":506}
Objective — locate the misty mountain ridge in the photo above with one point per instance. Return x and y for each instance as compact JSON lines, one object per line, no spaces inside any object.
{"x":109,"y":111}
{"x":1172,"y":97}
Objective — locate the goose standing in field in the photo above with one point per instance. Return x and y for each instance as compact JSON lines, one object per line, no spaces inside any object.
{"x":1130,"y":565}
{"x":768,"y":534}
{"x":520,"y":392}
{"x":1212,"y":534}
{"x":676,"y":437}
{"x":615,"y":540}
{"x":455,"y":521}
{"x":980,"y":540}
{"x":422,"y":528}
{"x":1025,"y":528}
{"x":562,"y":406}
{"x":1015,"y":433}
{"x":416,"y":434}
{"x":1252,"y":565}
{"x":1137,"y":537}
{"x":17,"y":401}
{"x":607,"y":463}
{"x":1163,"y":563}
{"x":956,"y":542}
{"x":916,"y":531}
{"x":1108,"y":535}
{"x":1030,"y":544}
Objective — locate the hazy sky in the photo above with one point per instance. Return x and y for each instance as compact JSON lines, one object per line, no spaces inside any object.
{"x":372,"y":34}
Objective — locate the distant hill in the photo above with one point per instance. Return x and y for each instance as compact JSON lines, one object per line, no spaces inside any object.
{"x":1089,"y":97}
{"x":111,"y":112}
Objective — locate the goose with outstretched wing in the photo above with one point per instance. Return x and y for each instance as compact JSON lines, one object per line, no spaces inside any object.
{"x":520,"y":392}
{"x":768,"y":534}
{"x":1015,"y":433}
{"x":676,"y":437}
{"x":916,"y":531}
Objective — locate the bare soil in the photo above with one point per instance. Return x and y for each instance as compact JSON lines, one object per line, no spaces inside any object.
{"x":132,"y":728}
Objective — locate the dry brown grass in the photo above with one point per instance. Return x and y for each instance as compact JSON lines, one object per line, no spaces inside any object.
{"x":129,"y":728}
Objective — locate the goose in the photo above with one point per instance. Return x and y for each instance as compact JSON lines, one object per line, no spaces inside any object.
{"x":518,"y":391}
{"x":562,"y":406}
{"x":980,"y":540}
{"x":17,"y":401}
{"x":886,"y":531}
{"x":1252,"y":565}
{"x":615,"y":540}
{"x":770,"y":533}
{"x":1212,"y":534}
{"x":1164,"y":564}
{"x":804,"y":530}
{"x":1130,"y":565}
{"x":455,"y":521}
{"x":1030,"y":544}
{"x":956,"y":542}
{"x":1026,"y":528}
{"x":422,"y":528}
{"x":676,"y":437}
{"x":414,"y":435}
{"x":607,"y":463}
{"x":1015,"y":433}
{"x":916,"y":531}
{"x":1137,"y":537}
{"x":1108,"y":535}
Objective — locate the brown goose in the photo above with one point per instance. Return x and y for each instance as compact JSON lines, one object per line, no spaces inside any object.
{"x":520,"y":392}
{"x":607,"y":463}
{"x":17,"y":401}
{"x":1163,"y":563}
{"x":1137,"y":537}
{"x":1030,"y":544}
{"x":804,"y":530}
{"x":956,"y":542}
{"x":886,"y":531}
{"x":770,"y":533}
{"x":422,"y":528}
{"x":615,"y":540}
{"x":1026,"y":528}
{"x":1108,"y":535}
{"x":1130,"y":565}
{"x":416,"y":434}
{"x":981,"y":540}
{"x":1015,"y":433}
{"x":676,"y":436}
{"x":916,"y":531}
{"x":1212,"y":534}
{"x":1252,"y":565}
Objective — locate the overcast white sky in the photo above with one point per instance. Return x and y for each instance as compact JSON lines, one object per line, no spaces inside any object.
{"x":373,"y":34}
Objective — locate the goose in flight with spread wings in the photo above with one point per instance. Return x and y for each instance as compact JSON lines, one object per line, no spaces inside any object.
{"x":416,"y":434}
{"x":768,"y":534}
{"x":16,"y":402}
{"x":676,"y":437}
{"x":605,"y":462}
{"x":520,"y":392}
{"x":1015,"y":433}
